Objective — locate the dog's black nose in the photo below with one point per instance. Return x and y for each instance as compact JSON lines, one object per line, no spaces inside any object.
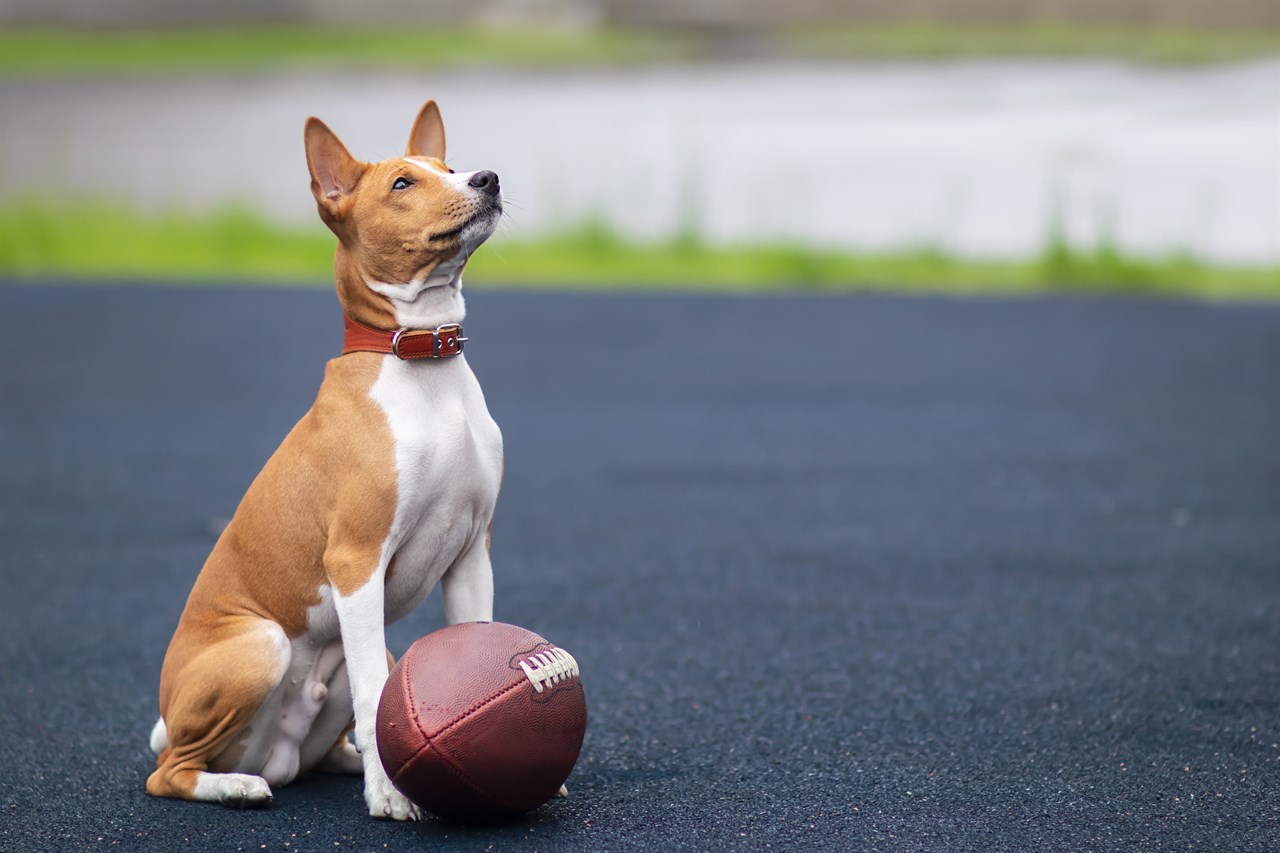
{"x":486,"y":181}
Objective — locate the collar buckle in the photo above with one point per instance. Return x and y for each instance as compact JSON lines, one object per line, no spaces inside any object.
{"x":449,"y":340}
{"x":441,"y":342}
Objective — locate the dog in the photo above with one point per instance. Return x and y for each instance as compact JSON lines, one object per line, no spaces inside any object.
{"x":384,"y":488}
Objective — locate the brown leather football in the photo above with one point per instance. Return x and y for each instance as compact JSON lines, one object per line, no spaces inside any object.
{"x":481,"y":721}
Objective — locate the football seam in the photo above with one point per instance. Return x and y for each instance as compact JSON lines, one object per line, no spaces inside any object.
{"x":448,"y":762}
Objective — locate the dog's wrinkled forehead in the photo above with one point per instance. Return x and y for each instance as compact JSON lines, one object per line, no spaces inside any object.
{"x":429,"y":162}
{"x":439,"y":169}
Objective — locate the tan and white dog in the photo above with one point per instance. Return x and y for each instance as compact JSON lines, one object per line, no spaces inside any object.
{"x":386,"y":486}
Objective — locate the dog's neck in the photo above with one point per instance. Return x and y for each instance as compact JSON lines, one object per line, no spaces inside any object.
{"x":431,"y":299}
{"x":426,"y":302}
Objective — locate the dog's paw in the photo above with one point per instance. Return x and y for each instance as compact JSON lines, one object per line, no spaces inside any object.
{"x":386,"y":803}
{"x":236,"y":790}
{"x":563,"y":792}
{"x":343,"y":758}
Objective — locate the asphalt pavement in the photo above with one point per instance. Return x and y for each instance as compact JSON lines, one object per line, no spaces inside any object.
{"x":841,"y":572}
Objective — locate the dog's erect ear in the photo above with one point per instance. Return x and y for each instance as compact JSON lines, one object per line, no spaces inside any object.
{"x":427,"y":137}
{"x":334,"y":172}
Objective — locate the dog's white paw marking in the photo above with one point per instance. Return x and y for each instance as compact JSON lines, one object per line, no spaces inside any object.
{"x":237,"y":790}
{"x":386,"y":803}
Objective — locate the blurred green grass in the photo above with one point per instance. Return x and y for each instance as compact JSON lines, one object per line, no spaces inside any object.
{"x":36,"y":52}
{"x":97,"y":241}
{"x":1154,"y":45}
{"x":261,"y":49}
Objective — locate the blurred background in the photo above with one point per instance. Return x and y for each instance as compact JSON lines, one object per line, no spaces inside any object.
{"x":939,"y":145}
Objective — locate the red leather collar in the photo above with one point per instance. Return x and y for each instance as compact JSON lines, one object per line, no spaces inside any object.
{"x":443,"y":342}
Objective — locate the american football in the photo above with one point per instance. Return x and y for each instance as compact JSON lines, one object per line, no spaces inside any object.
{"x":481,"y":721}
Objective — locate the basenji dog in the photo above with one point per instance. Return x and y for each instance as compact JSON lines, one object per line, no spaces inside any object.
{"x":386,"y":486}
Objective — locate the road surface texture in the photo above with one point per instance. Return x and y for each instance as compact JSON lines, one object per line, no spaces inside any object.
{"x":842,"y":572}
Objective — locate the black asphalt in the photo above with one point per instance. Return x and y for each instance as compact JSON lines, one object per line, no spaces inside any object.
{"x":842,"y":572}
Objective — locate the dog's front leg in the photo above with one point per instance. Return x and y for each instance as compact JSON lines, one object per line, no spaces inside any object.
{"x":468,"y":586}
{"x":360,"y":619}
{"x":468,"y":593}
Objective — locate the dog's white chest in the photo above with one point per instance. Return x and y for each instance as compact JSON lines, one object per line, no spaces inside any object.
{"x":448,"y":456}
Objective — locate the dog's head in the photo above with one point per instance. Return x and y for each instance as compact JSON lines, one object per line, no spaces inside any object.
{"x":404,"y":225}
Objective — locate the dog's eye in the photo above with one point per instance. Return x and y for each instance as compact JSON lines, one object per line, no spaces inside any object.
{"x":451,"y":171}
{"x":402,"y":183}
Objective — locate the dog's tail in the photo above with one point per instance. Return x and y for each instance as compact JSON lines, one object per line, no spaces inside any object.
{"x":159,"y":737}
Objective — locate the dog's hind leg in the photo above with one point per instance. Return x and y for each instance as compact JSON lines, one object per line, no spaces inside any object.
{"x":215,"y":695}
{"x":342,"y":757}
